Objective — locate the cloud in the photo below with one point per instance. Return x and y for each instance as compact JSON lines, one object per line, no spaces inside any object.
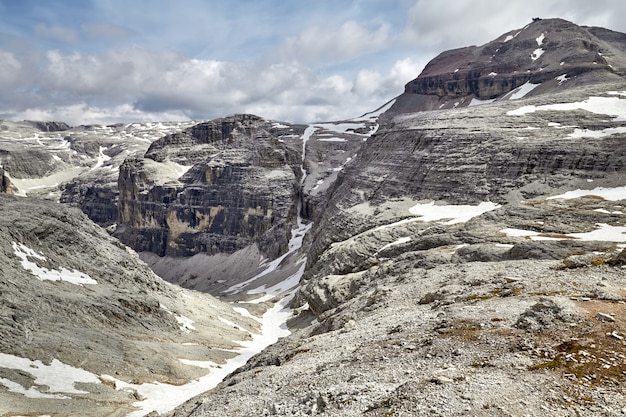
{"x":58,"y":33}
{"x":83,"y":113}
{"x":320,"y":44}
{"x":442,"y":25}
{"x":273,"y":58}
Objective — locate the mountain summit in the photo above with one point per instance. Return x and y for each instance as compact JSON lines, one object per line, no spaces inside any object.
{"x":544,"y":53}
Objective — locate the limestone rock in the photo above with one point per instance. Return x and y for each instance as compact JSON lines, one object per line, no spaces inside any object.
{"x":537,"y":54}
{"x":238,"y":186}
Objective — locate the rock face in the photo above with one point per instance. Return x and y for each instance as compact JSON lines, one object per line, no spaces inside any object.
{"x":216,"y":187}
{"x":76,"y":305}
{"x":447,"y":274}
{"x":538,"y":54}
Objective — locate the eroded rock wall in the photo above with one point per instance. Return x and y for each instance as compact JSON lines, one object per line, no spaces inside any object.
{"x":240,"y":186}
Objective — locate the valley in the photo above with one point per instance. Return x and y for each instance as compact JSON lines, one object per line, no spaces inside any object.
{"x":461,"y":250}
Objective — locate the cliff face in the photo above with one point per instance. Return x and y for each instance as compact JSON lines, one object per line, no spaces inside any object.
{"x":216,"y":187}
{"x":467,"y":151}
{"x":537,"y":54}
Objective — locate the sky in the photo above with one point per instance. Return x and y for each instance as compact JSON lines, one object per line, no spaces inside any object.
{"x":110,"y":61}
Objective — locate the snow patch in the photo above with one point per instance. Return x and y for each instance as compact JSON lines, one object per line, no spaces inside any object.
{"x":511,"y":37}
{"x":477,"y":102}
{"x":537,"y":53}
{"x":400,"y":241}
{"x":522,"y":90}
{"x":611,"y":106}
{"x":451,"y":213}
{"x":604,"y":232}
{"x":44,"y":274}
{"x":163,"y":398}
{"x":540,"y":39}
{"x":102,"y":158}
{"x":51,"y":380}
{"x":611,"y":194}
{"x":186,"y":324}
{"x":587,"y":133}
{"x":562,"y":78}
{"x":333,"y":139}
{"x":374,"y":114}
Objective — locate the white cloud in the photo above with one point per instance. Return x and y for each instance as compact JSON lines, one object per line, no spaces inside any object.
{"x":324,"y":44}
{"x":82,"y":113}
{"x":10,"y":68}
{"x":339,"y":66}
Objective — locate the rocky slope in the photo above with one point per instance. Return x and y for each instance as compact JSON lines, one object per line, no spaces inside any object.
{"x":446,"y":275}
{"x":88,"y":329}
{"x":450,"y":268}
{"x":77,"y":165}
{"x":207,"y":207}
{"x":537,"y":58}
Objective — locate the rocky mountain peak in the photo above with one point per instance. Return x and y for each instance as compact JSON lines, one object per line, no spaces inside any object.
{"x":546,"y":52}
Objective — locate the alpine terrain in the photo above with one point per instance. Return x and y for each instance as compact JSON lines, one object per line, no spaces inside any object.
{"x":461,"y":250}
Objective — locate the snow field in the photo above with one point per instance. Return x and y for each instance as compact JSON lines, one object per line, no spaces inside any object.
{"x":44,"y":274}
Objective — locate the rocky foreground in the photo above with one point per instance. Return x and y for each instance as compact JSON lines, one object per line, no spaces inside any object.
{"x":450,"y":273}
{"x":89,"y":330}
{"x":515,"y":312}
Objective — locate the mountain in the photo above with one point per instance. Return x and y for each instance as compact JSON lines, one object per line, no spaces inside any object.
{"x":469,"y":260}
{"x":458,"y":251}
{"x":546,"y":56}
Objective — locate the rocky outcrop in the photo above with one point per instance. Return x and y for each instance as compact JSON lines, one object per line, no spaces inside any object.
{"x":237,"y":184}
{"x":537,"y":54}
{"x":5,"y":184}
{"x":84,"y":323}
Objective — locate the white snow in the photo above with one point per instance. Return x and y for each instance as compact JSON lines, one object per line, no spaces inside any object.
{"x":477,"y":102}
{"x":162,"y":398}
{"x":400,"y":241}
{"x":608,"y":212}
{"x":186,"y":324}
{"x":511,"y":37}
{"x":586,"y":133}
{"x":44,"y":274}
{"x":26,"y":185}
{"x":605,"y":232}
{"x":493,"y":74}
{"x":611,"y":194}
{"x":537,"y":53}
{"x":277,"y":289}
{"x":102,"y":158}
{"x":333,"y":139}
{"x":611,"y":106}
{"x":562,"y":78}
{"x":540,"y":39}
{"x":527,"y":233}
{"x":341,"y":127}
{"x":51,"y":380}
{"x":522,"y":90}
{"x":451,"y":213}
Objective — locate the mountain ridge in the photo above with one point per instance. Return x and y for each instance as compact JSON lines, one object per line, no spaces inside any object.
{"x":439,"y":258}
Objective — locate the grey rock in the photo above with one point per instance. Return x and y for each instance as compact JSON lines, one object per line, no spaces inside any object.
{"x":605,"y":317}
